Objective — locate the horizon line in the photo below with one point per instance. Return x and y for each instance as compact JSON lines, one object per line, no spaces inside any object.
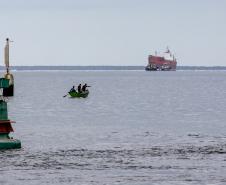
{"x":106,"y":66}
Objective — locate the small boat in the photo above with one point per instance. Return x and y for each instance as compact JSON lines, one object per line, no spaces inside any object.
{"x":75,"y":94}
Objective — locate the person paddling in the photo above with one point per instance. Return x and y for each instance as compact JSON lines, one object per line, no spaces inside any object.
{"x":84,"y":87}
{"x":79,"y":88}
{"x":72,"y":89}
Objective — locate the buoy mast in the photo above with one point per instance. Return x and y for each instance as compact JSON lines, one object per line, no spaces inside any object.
{"x":10,"y":90}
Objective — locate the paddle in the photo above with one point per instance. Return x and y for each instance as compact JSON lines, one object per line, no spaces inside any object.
{"x":72,"y":89}
{"x":65,"y":95}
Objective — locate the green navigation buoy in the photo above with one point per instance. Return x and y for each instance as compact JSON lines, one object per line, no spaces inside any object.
{"x":6,"y":142}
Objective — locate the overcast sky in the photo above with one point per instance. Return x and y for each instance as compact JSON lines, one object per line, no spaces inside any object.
{"x":113,"y":32}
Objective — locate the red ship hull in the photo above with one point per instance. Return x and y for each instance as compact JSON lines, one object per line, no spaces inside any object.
{"x":157,"y":63}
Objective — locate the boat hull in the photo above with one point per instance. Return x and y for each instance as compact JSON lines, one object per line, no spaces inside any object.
{"x":75,"y":94}
{"x":148,"y":68}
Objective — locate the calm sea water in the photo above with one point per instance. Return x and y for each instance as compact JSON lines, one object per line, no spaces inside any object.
{"x":135,"y":128}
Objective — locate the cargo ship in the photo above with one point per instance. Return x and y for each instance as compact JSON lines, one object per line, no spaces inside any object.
{"x":166,"y":62}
